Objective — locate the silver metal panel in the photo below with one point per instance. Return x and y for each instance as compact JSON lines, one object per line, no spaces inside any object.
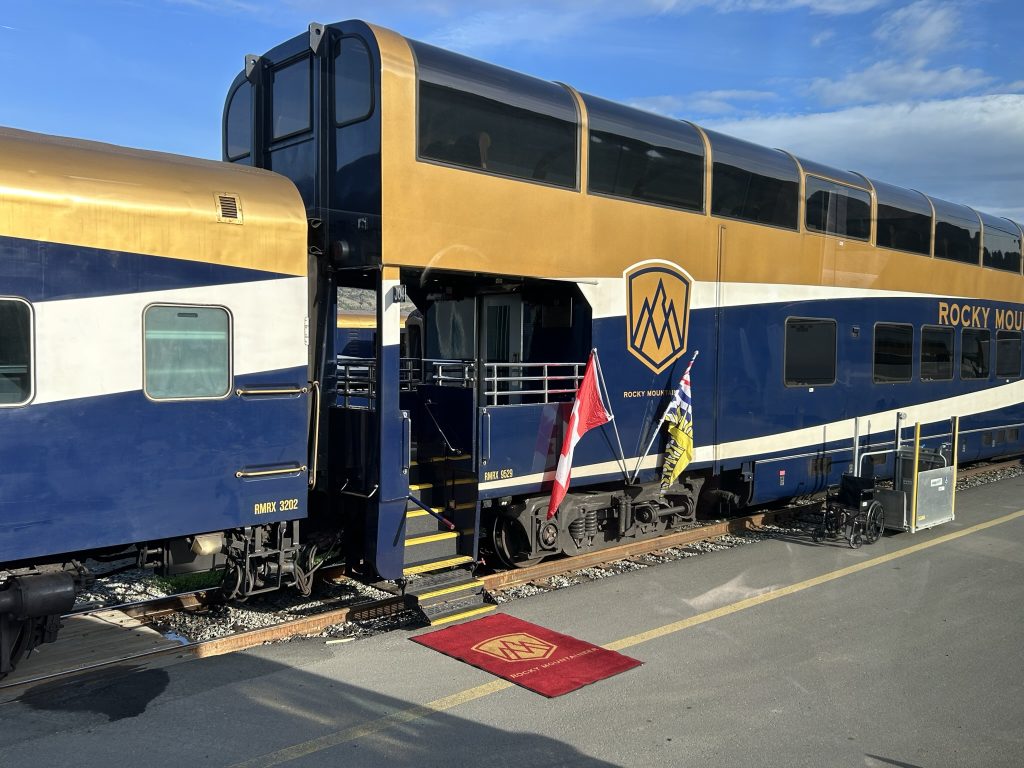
{"x":934,"y":497}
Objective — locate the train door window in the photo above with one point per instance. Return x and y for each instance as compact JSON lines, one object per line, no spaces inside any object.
{"x":451,"y":329}
{"x":353,"y":81}
{"x":238,"y":124}
{"x":974,"y":353}
{"x":810,"y":355}
{"x":894,"y":350}
{"x":291,"y":99}
{"x":15,"y":352}
{"x":187,"y":352}
{"x":1008,"y":354}
{"x":936,"y":353}
{"x":837,"y":209}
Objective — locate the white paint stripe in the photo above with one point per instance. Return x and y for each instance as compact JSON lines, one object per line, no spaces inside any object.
{"x":607,"y":296}
{"x":92,"y":347}
{"x":935,"y":411}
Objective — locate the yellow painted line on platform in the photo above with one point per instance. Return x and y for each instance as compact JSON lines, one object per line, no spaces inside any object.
{"x":471,"y":694}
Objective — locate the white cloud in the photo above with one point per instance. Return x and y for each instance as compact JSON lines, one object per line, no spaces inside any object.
{"x":822,"y":37}
{"x":720,"y":102}
{"x":892,"y":80}
{"x":968,"y":150}
{"x":920,"y":28}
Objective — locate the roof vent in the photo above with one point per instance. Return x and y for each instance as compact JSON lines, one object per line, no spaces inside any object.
{"x":229,"y":208}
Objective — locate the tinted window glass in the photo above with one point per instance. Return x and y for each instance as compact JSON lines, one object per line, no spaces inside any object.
{"x":894,"y":347}
{"x":753,"y":183}
{"x":239,"y":122}
{"x":646,"y":157}
{"x":837,"y":209}
{"x":450,"y":330}
{"x":1008,"y":354}
{"x":1001,"y":242}
{"x":188,"y":353}
{"x":290,"y":99}
{"x":810,"y":352}
{"x":353,"y":82}
{"x":904,"y":219}
{"x":974,"y":354}
{"x":15,"y":352}
{"x":936,"y":354}
{"x":957,"y":232}
{"x":476,"y":115}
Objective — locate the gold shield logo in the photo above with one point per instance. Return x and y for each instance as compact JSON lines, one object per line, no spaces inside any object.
{"x":516,"y":647}
{"x":658,"y":310}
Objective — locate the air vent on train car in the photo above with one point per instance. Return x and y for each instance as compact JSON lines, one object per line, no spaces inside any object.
{"x":229,"y":208}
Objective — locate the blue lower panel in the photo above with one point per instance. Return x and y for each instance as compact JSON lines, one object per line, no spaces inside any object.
{"x":120,"y":469}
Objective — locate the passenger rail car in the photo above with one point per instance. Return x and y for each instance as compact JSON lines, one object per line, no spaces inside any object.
{"x":153,"y":371}
{"x":529,"y":223}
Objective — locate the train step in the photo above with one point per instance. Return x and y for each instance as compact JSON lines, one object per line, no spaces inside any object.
{"x":430,"y":547}
{"x":444,"y":586}
{"x":457,"y":609}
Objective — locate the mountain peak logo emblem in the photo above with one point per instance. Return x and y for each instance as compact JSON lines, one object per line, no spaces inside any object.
{"x":658,"y":308}
{"x":518,"y":646}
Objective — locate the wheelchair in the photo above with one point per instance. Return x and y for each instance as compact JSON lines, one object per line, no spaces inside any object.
{"x":851,"y":511}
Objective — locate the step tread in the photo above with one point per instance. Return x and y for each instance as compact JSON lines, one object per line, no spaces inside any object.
{"x":454,"y":610}
{"x":438,"y":580}
{"x":437,"y":565}
{"x":429,"y":538}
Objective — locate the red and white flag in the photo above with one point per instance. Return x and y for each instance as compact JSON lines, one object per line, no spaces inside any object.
{"x":588,"y":411}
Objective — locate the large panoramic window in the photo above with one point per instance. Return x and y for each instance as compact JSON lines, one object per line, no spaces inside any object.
{"x":810,"y":352}
{"x":645,"y":157}
{"x":477,"y":115}
{"x":187,"y":352}
{"x":957,"y":232}
{"x":15,"y":352}
{"x":753,"y":183}
{"x":837,"y":209}
{"x":894,"y":349}
{"x":974,"y":353}
{"x":904,"y":219}
{"x":936,"y":353}
{"x":1001,"y":244}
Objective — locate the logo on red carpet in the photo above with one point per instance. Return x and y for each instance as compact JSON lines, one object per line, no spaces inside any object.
{"x":516,"y":647}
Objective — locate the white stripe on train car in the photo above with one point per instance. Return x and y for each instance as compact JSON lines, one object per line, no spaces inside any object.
{"x":607,"y":296}
{"x":985,"y":400}
{"x":92,"y":347}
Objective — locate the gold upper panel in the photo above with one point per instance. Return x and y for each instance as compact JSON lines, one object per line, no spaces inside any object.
{"x":449,"y":218}
{"x":102,"y":196}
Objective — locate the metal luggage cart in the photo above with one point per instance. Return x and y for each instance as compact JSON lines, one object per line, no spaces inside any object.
{"x":851,"y":510}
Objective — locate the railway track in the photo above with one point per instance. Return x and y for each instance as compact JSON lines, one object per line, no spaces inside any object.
{"x":149,"y":611}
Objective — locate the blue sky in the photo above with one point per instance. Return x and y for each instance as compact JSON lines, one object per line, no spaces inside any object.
{"x":927,"y":94}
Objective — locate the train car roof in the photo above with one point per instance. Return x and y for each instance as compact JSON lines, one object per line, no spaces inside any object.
{"x":97,"y":195}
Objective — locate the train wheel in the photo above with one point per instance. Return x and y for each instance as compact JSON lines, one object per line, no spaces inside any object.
{"x":511,"y":543}
{"x":875,"y":523}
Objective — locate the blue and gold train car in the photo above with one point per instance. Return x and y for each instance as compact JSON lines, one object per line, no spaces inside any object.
{"x":153,"y":369}
{"x":530,"y":223}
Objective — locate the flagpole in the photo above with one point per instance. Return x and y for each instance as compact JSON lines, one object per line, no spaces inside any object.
{"x":654,"y":434}
{"x":608,"y":401}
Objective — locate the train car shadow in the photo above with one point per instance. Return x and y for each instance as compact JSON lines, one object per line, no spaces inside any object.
{"x":245,"y":709}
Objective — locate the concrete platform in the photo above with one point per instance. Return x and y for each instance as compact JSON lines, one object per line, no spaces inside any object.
{"x":904,"y":653}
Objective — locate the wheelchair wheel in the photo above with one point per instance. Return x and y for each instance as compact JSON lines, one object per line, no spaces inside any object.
{"x":874,"y":523}
{"x":856,"y":539}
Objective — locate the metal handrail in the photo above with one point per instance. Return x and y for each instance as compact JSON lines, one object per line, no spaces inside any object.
{"x":519,"y":373}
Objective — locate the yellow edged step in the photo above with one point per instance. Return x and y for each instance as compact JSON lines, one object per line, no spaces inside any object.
{"x":440,"y":565}
{"x":464,"y":615}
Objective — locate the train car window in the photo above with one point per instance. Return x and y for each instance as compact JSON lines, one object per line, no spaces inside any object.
{"x":479,"y":116}
{"x":936,"y":353}
{"x":451,"y":329}
{"x":957,"y":232}
{"x":353,"y":81}
{"x":291,"y":99}
{"x":238,"y":123}
{"x":15,"y":352}
{"x":753,"y":183}
{"x":904,"y":219}
{"x":837,"y":209}
{"x":187,"y":352}
{"x":641,"y":156}
{"x":894,"y":350}
{"x":1008,"y":354}
{"x":1001,"y":244}
{"x":974,"y":353}
{"x":810,"y":356}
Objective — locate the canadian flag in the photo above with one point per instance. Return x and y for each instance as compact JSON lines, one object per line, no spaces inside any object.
{"x":588,"y":411}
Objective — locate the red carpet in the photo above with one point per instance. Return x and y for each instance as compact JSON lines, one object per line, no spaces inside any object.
{"x":547,"y":662}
